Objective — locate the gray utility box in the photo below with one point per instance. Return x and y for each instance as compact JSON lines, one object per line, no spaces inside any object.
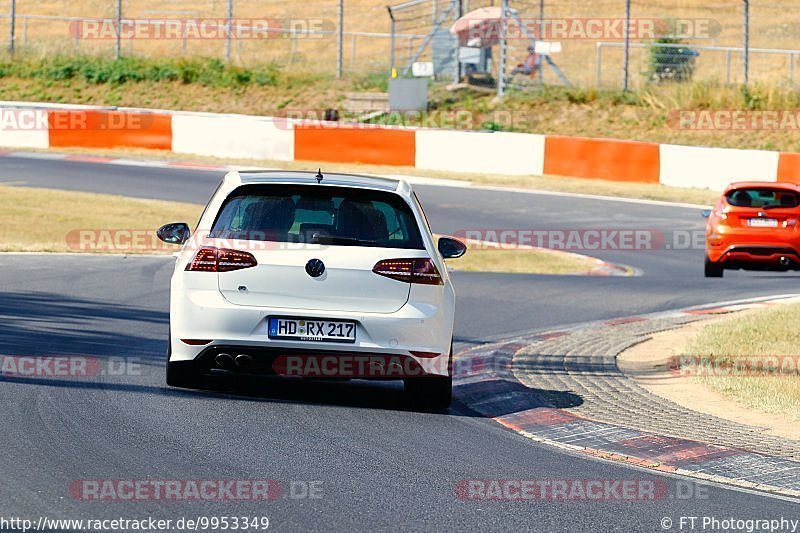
{"x":408,"y":94}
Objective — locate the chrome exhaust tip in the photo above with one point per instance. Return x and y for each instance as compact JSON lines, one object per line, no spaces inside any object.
{"x":223,"y":360}
{"x":243,"y":360}
{"x":785,"y":261}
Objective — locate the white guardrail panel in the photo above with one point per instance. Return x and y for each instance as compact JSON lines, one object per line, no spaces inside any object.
{"x":23,"y":126}
{"x":714,"y":168}
{"x":239,"y":136}
{"x":480,"y":152}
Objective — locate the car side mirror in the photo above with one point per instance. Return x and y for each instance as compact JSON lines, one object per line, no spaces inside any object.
{"x":175,"y":233}
{"x":705,"y":213}
{"x":451,"y":248}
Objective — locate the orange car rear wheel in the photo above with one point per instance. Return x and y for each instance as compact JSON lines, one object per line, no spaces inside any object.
{"x":713,"y":270}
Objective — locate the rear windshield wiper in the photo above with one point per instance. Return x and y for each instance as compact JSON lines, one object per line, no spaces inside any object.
{"x":773,"y":206}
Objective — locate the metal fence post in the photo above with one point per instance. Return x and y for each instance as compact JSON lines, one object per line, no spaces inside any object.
{"x":457,"y":70}
{"x":598,"y":64}
{"x":501,"y":68}
{"x":118,"y":45}
{"x":391,"y":41}
{"x":11,"y":23}
{"x":228,"y":28}
{"x":353,"y":49}
{"x":728,"y":67}
{"x":539,"y":36}
{"x":746,"y":58}
{"x":340,"y":41}
{"x":627,"y":35}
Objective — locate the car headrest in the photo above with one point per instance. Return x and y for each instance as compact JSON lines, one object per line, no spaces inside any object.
{"x":358,"y":220}
{"x":270,"y":215}
{"x":742,"y":199}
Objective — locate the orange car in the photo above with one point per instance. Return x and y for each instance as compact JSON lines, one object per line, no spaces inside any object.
{"x":755,"y":225}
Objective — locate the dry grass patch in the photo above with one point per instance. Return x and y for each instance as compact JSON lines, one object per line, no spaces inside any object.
{"x":45,"y":220}
{"x":533,"y":261}
{"x":732,"y":342}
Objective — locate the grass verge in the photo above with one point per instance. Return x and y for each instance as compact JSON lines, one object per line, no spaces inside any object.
{"x":733,"y":344}
{"x":524,"y":261}
{"x":47,"y":220}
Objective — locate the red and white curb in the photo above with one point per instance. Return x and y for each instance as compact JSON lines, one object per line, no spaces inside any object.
{"x":601,"y":268}
{"x":484,"y":380}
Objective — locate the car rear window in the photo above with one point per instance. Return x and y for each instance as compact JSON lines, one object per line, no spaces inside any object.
{"x":339,"y":216}
{"x":763,"y":197}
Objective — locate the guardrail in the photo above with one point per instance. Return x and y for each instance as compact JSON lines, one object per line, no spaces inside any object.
{"x":43,"y":126}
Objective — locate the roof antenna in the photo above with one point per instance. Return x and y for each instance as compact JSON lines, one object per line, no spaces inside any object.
{"x":319,"y":176}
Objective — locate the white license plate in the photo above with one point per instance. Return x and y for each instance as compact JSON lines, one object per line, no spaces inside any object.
{"x":311,"y":329}
{"x":762,"y":222}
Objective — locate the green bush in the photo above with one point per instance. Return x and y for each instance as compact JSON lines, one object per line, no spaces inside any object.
{"x":204,"y":71}
{"x":372,"y":81}
{"x":670,"y":63}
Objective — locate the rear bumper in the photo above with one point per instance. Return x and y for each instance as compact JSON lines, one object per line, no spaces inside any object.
{"x":317,"y":364}
{"x":756,"y":257}
{"x":205,"y":315}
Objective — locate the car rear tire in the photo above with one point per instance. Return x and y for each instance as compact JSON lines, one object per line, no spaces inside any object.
{"x":183,"y":374}
{"x":713,"y":270}
{"x":435,"y":392}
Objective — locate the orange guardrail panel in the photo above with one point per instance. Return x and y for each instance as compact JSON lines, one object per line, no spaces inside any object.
{"x":607,"y":159}
{"x":354,"y":144}
{"x":109,"y":129}
{"x":789,"y":167}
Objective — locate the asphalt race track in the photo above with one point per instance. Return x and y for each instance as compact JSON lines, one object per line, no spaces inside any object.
{"x":381,"y":465}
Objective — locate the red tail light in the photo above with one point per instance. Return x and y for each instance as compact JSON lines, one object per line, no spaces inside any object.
{"x":425,"y":355}
{"x":208,"y":259}
{"x":421,"y":271}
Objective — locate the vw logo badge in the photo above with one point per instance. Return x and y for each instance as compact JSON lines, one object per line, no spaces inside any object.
{"x":315,"y":268}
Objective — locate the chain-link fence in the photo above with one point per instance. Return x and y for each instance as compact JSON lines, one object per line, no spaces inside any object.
{"x":305,"y":34}
{"x":534,"y":41}
{"x":728,"y":42}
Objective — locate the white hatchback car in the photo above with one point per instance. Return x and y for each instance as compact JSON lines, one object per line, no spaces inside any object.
{"x":311,"y":276}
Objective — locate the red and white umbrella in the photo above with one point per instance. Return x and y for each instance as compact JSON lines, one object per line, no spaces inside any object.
{"x":479,"y":28}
